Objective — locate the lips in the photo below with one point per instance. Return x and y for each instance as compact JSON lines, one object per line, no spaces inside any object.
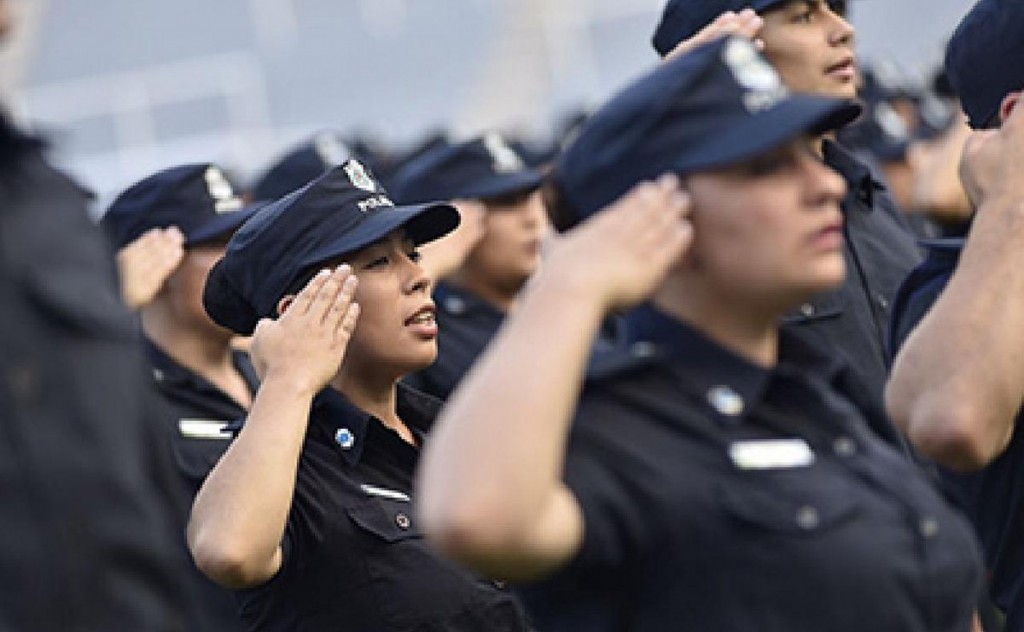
{"x":846,"y":66}
{"x":422,"y":316}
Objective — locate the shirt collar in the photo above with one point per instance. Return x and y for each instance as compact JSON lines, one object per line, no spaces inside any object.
{"x":167,"y":370}
{"x":861,"y":184}
{"x":728,"y":384}
{"x":348,"y":425}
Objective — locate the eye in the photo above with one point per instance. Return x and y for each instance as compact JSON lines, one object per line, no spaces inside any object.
{"x":378,"y":262}
{"x":414,"y":255}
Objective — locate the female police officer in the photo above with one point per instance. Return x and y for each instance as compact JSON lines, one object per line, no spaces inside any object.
{"x":308,"y":512}
{"x":709,"y":481}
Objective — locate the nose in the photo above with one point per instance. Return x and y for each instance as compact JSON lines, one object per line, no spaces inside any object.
{"x":842,"y":32}
{"x":825,"y":186}
{"x":415,"y":278}
{"x":535,"y":214}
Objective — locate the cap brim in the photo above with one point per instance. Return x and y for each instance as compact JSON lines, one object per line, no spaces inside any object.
{"x":224,"y":225}
{"x":422,"y":223}
{"x":798,"y":115}
{"x":504,"y":184}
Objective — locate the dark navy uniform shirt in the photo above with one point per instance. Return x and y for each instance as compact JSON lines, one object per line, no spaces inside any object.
{"x":993,"y":497}
{"x":879,"y":252}
{"x":466,"y":324}
{"x":200,"y":413}
{"x":354,"y":558}
{"x":721,"y":496}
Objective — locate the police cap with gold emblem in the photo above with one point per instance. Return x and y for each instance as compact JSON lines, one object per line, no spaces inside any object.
{"x":287,"y":241}
{"x":197,"y":198}
{"x":716,"y":106}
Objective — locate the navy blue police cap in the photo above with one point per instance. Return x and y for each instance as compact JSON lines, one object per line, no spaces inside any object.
{"x":197,"y":198}
{"x":983,"y":58}
{"x":287,"y":241}
{"x":715,"y":106}
{"x":481,"y":168}
{"x":682,"y":19}
{"x":301,"y":165}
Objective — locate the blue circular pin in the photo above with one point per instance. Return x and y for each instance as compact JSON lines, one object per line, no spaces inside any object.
{"x":345,"y":438}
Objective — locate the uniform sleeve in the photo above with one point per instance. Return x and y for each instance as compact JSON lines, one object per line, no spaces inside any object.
{"x":918,"y":293}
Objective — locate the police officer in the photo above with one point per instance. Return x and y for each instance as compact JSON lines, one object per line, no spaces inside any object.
{"x":484,"y":265}
{"x":300,"y":165}
{"x":203,"y":382}
{"x":309,"y":514}
{"x":91,"y":530}
{"x":718,"y":475}
{"x":811,"y":46}
{"x":958,"y":381}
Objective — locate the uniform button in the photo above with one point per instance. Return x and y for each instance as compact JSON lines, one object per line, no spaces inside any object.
{"x":642,"y":349}
{"x":844,"y":446}
{"x":883,"y":302}
{"x":455,"y":305}
{"x":807,"y":309}
{"x":807,"y":518}
{"x":402,"y":521}
{"x":929,"y":527}
{"x":345,"y":438}
{"x":500,"y":585}
{"x":725,"y":400}
{"x":158,"y":375}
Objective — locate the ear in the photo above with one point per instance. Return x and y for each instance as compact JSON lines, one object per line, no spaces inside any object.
{"x":1006,"y":107}
{"x":284,"y":303}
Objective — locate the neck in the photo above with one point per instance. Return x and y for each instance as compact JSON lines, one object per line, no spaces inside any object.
{"x":750,"y":332}
{"x":502,"y":298}
{"x":205,"y":352}
{"x":373,"y":394}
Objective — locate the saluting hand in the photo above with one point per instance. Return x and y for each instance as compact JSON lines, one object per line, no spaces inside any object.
{"x":746,"y":23}
{"x":622,"y":253}
{"x":307,"y":343}
{"x":993,"y":160}
{"x":146,"y":263}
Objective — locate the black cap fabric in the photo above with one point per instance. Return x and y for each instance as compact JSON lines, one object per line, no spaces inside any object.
{"x":301,"y":165}
{"x":682,"y":19}
{"x":196,"y":198}
{"x":342,"y":211}
{"x":485,"y":167}
{"x":983,"y":59}
{"x":716,"y":106}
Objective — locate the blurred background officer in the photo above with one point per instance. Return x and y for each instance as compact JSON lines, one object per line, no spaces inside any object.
{"x":958,"y":382}
{"x":309,"y":513}
{"x":300,"y":166}
{"x":811,"y":46}
{"x":204,"y":383}
{"x":90,"y":519}
{"x":716,"y":477}
{"x":484,"y":265}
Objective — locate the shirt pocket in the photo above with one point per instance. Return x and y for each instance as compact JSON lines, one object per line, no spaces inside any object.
{"x":794,"y":504}
{"x":413,"y":587}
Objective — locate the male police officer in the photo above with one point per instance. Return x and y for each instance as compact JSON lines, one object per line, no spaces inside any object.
{"x":504,"y":225}
{"x":811,"y":46}
{"x":958,"y":382}
{"x":204,"y":384}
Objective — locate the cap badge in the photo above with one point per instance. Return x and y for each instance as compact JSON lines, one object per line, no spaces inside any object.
{"x":217,"y":185}
{"x":505,"y":159}
{"x":358,"y":176}
{"x":752,"y":72}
